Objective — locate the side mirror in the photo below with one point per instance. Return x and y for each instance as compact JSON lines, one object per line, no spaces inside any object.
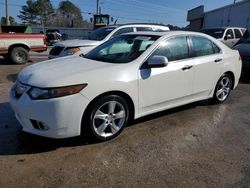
{"x":157,"y":61}
{"x":91,"y":20}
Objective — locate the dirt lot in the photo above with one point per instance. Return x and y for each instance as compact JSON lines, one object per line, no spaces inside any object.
{"x":198,"y":145}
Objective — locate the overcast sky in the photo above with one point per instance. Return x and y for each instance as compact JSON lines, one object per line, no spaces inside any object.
{"x":164,"y":11}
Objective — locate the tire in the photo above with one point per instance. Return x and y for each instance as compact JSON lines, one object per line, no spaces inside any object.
{"x":222,"y":89}
{"x":106,"y":118}
{"x":19,"y":55}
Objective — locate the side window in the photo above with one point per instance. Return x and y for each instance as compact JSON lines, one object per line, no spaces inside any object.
{"x":203,"y":46}
{"x":144,"y":29}
{"x":174,"y":49}
{"x":217,"y":50}
{"x":123,"y":30}
{"x":237,"y":33}
{"x":229,"y":34}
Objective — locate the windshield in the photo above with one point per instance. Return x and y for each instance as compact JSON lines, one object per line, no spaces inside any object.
{"x":122,"y":49}
{"x":100,"y":33}
{"x":216,"y":33}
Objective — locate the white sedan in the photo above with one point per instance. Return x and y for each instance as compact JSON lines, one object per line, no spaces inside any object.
{"x":127,"y":77}
{"x":99,"y":36}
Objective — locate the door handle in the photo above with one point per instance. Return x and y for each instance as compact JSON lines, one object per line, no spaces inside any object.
{"x":217,"y":60}
{"x":187,"y":67}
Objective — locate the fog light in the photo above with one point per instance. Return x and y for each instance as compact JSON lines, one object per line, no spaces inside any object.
{"x":39,"y":125}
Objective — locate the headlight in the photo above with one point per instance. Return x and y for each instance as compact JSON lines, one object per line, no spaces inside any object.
{"x":70,"y":51}
{"x":48,"y":93}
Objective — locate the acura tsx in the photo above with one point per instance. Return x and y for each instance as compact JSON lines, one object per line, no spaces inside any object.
{"x":127,"y":77}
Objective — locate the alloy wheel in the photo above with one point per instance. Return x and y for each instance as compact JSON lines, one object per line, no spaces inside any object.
{"x":223,"y":88}
{"x":109,"y":119}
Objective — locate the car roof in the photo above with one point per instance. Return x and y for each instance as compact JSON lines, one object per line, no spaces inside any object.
{"x":166,"y":33}
{"x":136,"y":24}
{"x":224,"y":28}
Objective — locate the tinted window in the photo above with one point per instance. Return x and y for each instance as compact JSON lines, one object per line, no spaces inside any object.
{"x":121,"y":49}
{"x":203,"y":46}
{"x":216,"y":49}
{"x":174,"y":49}
{"x":229,"y":33}
{"x":144,"y":29}
{"x":123,"y":30}
{"x":237,"y":33}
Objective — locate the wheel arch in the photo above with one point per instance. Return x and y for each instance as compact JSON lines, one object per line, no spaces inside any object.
{"x":231,"y":74}
{"x":122,"y":94}
{"x":18,"y":45}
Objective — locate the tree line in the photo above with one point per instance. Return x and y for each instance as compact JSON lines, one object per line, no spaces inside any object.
{"x":42,"y":13}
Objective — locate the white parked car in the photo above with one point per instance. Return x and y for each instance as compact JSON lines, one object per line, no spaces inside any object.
{"x":127,"y":77}
{"x":228,"y":35}
{"x":99,"y":36}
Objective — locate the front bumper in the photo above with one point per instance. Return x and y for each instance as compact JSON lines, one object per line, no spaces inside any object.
{"x":62,"y":116}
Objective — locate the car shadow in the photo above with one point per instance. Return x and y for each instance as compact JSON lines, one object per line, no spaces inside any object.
{"x":5,"y":62}
{"x":12,"y":77}
{"x":13,"y":141}
{"x":8,"y":62}
{"x":245,"y":76}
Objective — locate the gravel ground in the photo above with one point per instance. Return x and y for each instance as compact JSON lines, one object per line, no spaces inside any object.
{"x":197,"y":145}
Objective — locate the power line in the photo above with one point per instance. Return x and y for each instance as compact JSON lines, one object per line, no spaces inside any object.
{"x":12,"y":4}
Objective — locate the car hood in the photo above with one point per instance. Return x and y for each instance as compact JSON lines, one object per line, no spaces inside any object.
{"x":77,"y":42}
{"x":63,"y":72}
{"x":244,"y":49}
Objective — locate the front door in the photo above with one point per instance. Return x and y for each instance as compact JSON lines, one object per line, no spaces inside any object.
{"x":160,"y":88}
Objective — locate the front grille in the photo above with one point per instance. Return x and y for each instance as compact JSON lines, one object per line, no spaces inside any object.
{"x":56,"y":50}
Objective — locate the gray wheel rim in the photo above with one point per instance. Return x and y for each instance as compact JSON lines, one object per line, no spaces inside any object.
{"x":109,"y":119}
{"x":223,"y":88}
{"x":20,"y":56}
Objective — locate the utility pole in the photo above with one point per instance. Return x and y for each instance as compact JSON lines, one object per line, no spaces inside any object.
{"x":97,"y":6}
{"x":7,"y":12}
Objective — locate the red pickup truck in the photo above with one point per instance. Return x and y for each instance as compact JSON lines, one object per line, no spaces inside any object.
{"x":15,"y":47}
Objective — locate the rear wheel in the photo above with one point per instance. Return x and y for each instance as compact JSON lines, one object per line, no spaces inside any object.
{"x":222,"y":89}
{"x":107,"y":118}
{"x":19,"y":55}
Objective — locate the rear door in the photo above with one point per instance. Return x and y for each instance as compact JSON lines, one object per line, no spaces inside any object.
{"x":208,"y":61}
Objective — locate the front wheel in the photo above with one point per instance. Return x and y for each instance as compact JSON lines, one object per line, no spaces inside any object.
{"x":107,"y":117}
{"x":222,"y":89}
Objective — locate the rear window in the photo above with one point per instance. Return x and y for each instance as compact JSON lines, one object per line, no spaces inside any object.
{"x":237,"y":33}
{"x":100,"y":33}
{"x":144,"y":29}
{"x":203,"y":47}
